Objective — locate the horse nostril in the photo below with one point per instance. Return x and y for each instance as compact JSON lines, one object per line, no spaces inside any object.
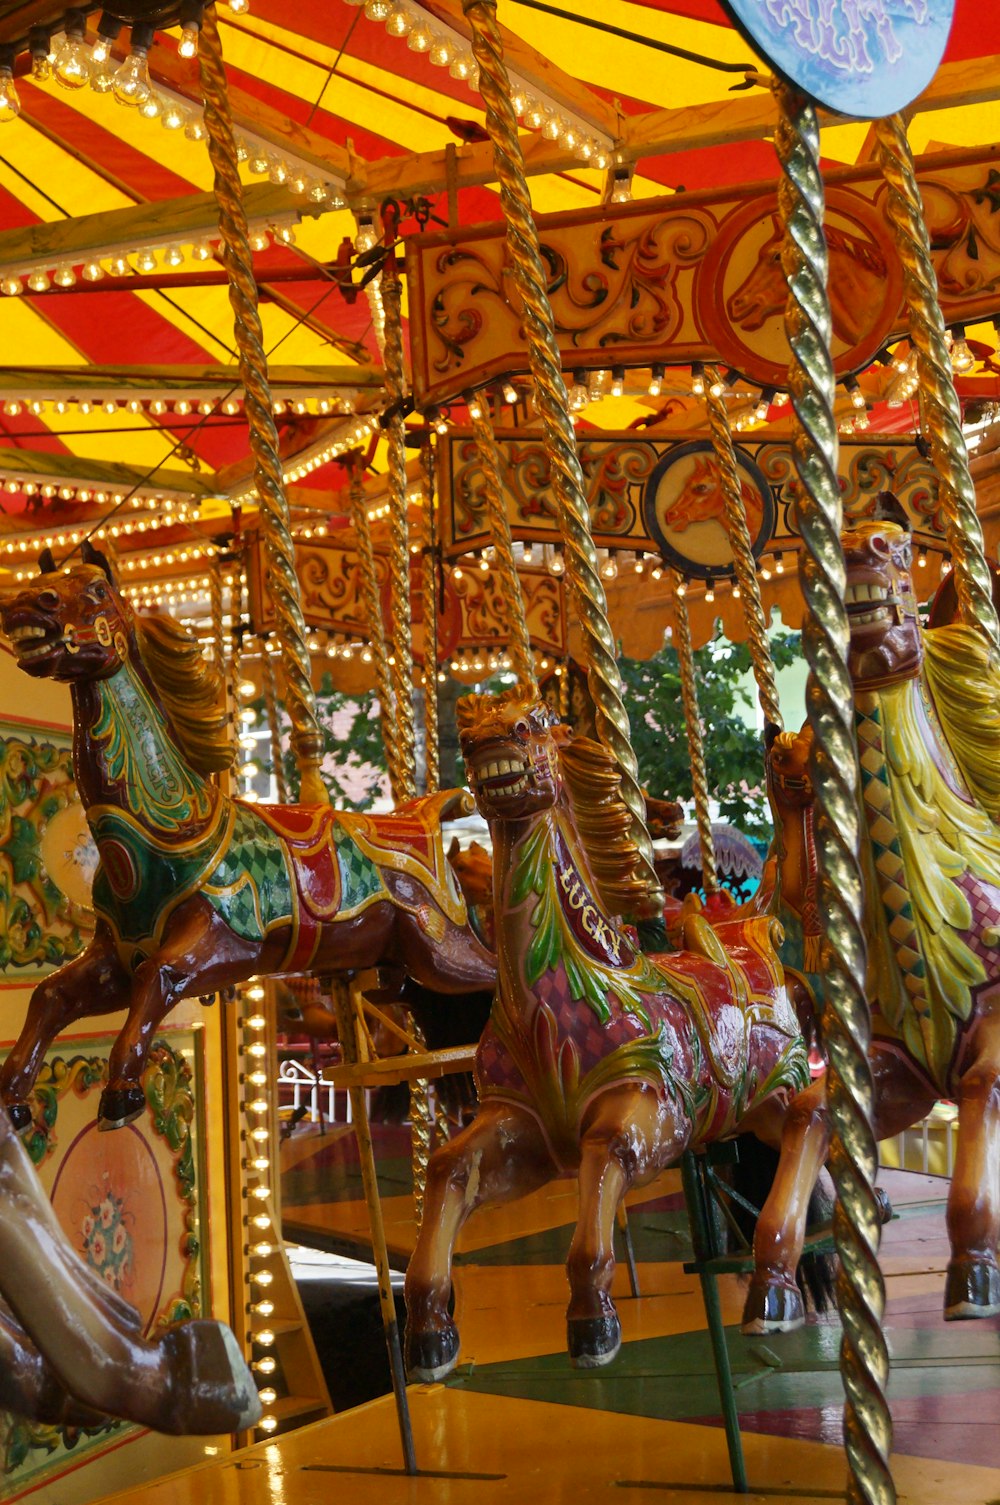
{"x":879,"y":544}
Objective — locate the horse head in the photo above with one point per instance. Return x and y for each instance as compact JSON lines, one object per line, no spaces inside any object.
{"x":881,"y":606}
{"x":788,"y":767}
{"x":700,"y":499}
{"x":69,"y":624}
{"x":510,"y":753}
{"x":763,"y":291}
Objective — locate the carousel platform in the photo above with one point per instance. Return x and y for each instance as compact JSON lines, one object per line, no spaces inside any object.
{"x":516,"y":1423}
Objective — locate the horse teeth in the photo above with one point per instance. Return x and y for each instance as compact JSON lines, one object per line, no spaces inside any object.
{"x":17,"y":634}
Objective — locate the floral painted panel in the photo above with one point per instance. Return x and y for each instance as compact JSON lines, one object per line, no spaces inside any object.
{"x":131,"y":1202}
{"x":47,"y":855}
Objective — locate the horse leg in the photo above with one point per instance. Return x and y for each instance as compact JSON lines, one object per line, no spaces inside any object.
{"x":198,"y":953}
{"x":93,"y":983}
{"x":28,"y":1386}
{"x":774,"y":1302}
{"x":972,"y":1288}
{"x":192,"y":1378}
{"x":627,"y":1135}
{"x":501,"y":1156}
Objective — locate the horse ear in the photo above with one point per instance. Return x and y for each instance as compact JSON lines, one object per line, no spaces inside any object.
{"x":47,"y":563}
{"x":889,"y":509}
{"x":90,"y":555}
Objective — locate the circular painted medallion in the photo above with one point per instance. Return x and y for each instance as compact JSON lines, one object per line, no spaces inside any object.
{"x":683,"y":510}
{"x":740,"y":291}
{"x":859,"y":57}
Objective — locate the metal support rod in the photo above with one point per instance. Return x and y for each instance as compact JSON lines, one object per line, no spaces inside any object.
{"x":375,"y":625}
{"x":738,"y":533}
{"x":695,"y":740}
{"x":939,"y":403}
{"x":521,"y":657}
{"x":216,"y":611}
{"x":836,"y":782}
{"x":273,"y":723}
{"x":307,"y":740}
{"x":347,"y":1030}
{"x":560,"y":440}
{"x":432,"y":743}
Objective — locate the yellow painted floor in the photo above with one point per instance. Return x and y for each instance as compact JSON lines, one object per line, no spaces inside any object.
{"x":479,"y":1447}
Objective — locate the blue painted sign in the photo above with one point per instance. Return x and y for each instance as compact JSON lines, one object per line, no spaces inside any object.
{"x":864,"y":58}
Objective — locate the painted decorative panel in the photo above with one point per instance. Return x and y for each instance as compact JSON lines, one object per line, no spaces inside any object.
{"x":131,"y":1202}
{"x":698,"y":277}
{"x":47,"y":855}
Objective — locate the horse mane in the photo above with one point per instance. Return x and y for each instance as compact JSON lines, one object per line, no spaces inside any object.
{"x":964,"y":680}
{"x":604,"y":822}
{"x":192,"y":690}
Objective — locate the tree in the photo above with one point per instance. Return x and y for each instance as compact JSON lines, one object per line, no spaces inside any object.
{"x":354,"y":765}
{"x":733,"y":749}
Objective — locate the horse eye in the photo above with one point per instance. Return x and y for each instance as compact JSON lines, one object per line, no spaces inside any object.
{"x":879,"y":543}
{"x":522,"y":730}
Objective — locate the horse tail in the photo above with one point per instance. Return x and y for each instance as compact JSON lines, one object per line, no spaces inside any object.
{"x":751,"y":1178}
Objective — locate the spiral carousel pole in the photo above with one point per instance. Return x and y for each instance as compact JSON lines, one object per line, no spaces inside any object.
{"x":560,"y":441}
{"x":940,"y":407}
{"x":521,"y":657}
{"x":273,"y":723}
{"x":695,"y":740}
{"x":307,"y":740}
{"x":738,"y":533}
{"x":376,"y":629}
{"x":432,"y":738}
{"x":835,"y":779}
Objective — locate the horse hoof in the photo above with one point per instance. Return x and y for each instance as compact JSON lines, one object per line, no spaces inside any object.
{"x":772,"y":1307}
{"x":593,"y":1341}
{"x":882,"y":1202}
{"x":120,"y":1106}
{"x":20,"y":1116}
{"x":972,"y":1289}
{"x":211,"y":1387}
{"x":431,"y":1355}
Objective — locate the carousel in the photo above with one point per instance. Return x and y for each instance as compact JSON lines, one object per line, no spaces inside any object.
{"x":410,"y":409}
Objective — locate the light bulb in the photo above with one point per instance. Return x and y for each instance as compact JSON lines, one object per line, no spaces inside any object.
{"x":64,"y":275}
{"x":72,"y":60}
{"x":962,"y":358}
{"x":10,"y":104}
{"x":617,"y":381}
{"x":131,"y":85}
{"x":697,"y":379}
{"x":378,"y":10}
{"x":173,"y":256}
{"x":195,"y":129}
{"x":239,"y":7}
{"x":268,"y":1423}
{"x":173,"y":118}
{"x":92,"y":271}
{"x":118,"y":266}
{"x":463,"y":66}
{"x":557,"y":564}
{"x":578,"y":397}
{"x":188,"y":44}
{"x":152,"y":107}
{"x":202,"y":250}
{"x":399,"y":21}
{"x":656,"y":381}
{"x":39,"y":282}
{"x":145,"y":261}
{"x":420,"y":39}
{"x":267,"y":1396}
{"x":441,"y":53}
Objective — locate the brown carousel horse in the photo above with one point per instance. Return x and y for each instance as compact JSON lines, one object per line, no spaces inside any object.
{"x":196,"y":891}
{"x":928,"y":719}
{"x":598,"y":1061}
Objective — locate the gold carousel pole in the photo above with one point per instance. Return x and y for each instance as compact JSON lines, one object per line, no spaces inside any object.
{"x":399,"y":536}
{"x":735,"y":519}
{"x":939,"y":404}
{"x":835,"y":777}
{"x":521,"y":657}
{"x":373,"y":618}
{"x":432,"y":743}
{"x":216,"y":612}
{"x":273,"y":723}
{"x":696,"y":746}
{"x":560,"y":440}
{"x":307,"y":740}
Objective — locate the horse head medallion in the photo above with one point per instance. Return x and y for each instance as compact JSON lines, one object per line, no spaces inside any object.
{"x":75,"y":627}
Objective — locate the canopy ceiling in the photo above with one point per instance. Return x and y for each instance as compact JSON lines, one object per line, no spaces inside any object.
{"x":323,"y":94}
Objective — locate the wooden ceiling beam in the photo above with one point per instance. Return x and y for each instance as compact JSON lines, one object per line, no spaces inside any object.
{"x":49,"y":382}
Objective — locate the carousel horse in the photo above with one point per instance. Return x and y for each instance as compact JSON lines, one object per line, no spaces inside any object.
{"x":196,"y":891}
{"x":598,"y":1060}
{"x":72,"y":1351}
{"x":927,"y":706}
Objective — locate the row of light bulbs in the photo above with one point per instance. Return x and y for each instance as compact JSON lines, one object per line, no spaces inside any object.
{"x":444,"y":48}
{"x":159,"y":406}
{"x":41,"y":277}
{"x":348,"y":440}
{"x":261,"y":1235}
{"x":33,"y":543}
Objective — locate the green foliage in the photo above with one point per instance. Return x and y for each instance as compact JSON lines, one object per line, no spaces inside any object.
{"x":733,"y":750}
{"x":352,"y":740}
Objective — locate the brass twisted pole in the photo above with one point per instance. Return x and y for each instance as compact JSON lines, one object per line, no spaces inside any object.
{"x":216,"y":611}
{"x":560,"y":440}
{"x":432,"y":739}
{"x":695,"y":741}
{"x":376,"y":630}
{"x":521,"y":657}
{"x":273,"y":724}
{"x":405,"y":783}
{"x":307,"y":739}
{"x":835,"y":778}
{"x":738,"y":533}
{"x":939,"y":404}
